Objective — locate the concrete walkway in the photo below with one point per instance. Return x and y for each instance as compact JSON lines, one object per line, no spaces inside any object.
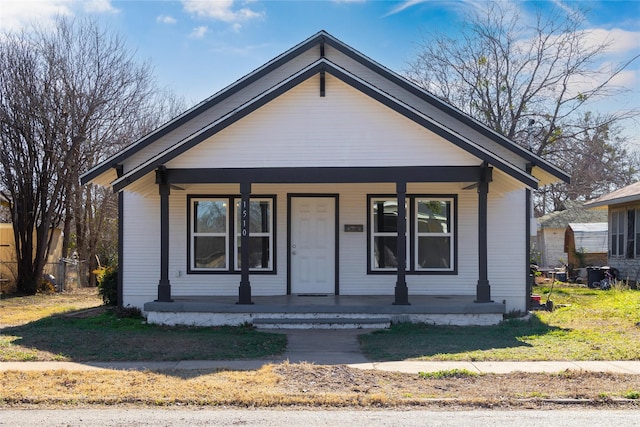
{"x":335,"y":347}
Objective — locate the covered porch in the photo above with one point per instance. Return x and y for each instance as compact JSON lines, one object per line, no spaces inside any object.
{"x":476,"y":178}
{"x":324,"y":311}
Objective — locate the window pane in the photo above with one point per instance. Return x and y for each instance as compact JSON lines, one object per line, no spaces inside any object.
{"x":259,"y":252}
{"x":210,"y":216}
{"x":434,"y":252}
{"x":434,"y":216}
{"x":259,"y":216}
{"x":210,"y":252}
{"x":384,"y":252}
{"x":620,"y":222}
{"x":620,"y":245}
{"x":385,"y":216}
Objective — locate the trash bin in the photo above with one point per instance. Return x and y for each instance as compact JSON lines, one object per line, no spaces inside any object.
{"x":594,"y":274}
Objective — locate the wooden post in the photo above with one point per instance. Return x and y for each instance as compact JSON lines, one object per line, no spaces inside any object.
{"x":244,"y":291}
{"x":401,"y":290}
{"x":164,"y":285}
{"x":483,"y":289}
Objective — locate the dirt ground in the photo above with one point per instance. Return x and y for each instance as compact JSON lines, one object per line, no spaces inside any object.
{"x":484,"y":390}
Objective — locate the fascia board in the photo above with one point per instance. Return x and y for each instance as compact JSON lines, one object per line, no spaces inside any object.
{"x":218,"y":125}
{"x":348,"y":78}
{"x":451,"y":110}
{"x":201,"y":107}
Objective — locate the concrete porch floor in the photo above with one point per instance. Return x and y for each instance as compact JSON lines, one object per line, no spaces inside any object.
{"x":365,"y":304}
{"x":326,"y":309}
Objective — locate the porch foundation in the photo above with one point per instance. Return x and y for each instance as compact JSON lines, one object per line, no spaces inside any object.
{"x":339,"y":310}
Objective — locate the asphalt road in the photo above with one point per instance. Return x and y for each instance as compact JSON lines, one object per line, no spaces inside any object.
{"x":133,"y":417}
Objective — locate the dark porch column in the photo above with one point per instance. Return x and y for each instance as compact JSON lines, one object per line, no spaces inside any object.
{"x":244,"y":291}
{"x":164,"y":286}
{"x":528,"y":276}
{"x":483,"y":289}
{"x":401,"y":291}
{"x":120,"y":172}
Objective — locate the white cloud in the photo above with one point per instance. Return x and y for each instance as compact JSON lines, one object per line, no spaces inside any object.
{"x":98,"y":6}
{"x":568,"y":9}
{"x":221,"y":10}
{"x":405,"y":5}
{"x":166,"y":19}
{"x":17,"y":14}
{"x":619,"y":41}
{"x":199,"y":32}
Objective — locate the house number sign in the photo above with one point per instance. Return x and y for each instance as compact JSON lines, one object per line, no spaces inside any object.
{"x":245,"y":213}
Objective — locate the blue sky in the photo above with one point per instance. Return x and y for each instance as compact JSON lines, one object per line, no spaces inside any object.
{"x":199,"y":47}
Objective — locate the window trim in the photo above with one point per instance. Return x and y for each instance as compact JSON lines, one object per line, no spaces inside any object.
{"x":417,"y":234}
{"x":231,"y":234}
{"x":620,"y":214}
{"x":237,"y":234}
{"x":193,"y":234}
{"x":372,"y":234}
{"x":412,"y":234}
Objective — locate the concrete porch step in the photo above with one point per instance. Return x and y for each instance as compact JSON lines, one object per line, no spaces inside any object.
{"x":322,"y":323}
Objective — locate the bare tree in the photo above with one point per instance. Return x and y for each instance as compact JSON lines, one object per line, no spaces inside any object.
{"x":532,"y":83}
{"x":596,"y":158}
{"x":69,"y":97}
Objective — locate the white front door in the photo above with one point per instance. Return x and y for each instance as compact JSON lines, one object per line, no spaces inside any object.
{"x":313,"y":245}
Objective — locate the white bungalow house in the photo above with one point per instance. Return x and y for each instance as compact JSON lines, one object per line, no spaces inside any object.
{"x":298,"y":190}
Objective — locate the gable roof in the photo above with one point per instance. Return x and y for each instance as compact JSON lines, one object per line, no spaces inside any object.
{"x":630,"y":193}
{"x":575,"y":212}
{"x":105,"y":171}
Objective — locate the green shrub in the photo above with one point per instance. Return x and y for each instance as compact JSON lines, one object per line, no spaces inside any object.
{"x":128,"y":313}
{"x":451,"y":373}
{"x":108,"y":284}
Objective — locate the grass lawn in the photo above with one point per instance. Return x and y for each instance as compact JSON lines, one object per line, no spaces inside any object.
{"x":106,"y":337}
{"x":39,"y":331}
{"x":587,"y":324}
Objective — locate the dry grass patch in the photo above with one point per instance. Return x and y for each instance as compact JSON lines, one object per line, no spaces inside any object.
{"x":104,"y":336}
{"x":306,"y":385}
{"x":19,"y":310}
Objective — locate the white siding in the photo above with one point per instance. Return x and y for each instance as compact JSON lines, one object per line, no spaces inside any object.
{"x":141,"y":260}
{"x":506,"y":245}
{"x":345,"y":128}
{"x":551,"y":246}
{"x":507,"y":251}
{"x":223,"y":107}
{"x":396,"y":91}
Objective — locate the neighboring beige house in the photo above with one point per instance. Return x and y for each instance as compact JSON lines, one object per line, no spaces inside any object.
{"x":8,"y":257}
{"x":8,"y":254}
{"x":622,"y":208}
{"x":549,"y":244}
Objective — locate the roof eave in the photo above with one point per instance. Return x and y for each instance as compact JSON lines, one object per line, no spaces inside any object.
{"x":202,"y":106}
{"x":342,"y":74}
{"x":453,"y":111}
{"x":610,"y":202}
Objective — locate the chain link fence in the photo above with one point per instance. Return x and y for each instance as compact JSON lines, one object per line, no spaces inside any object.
{"x":66,"y":275}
